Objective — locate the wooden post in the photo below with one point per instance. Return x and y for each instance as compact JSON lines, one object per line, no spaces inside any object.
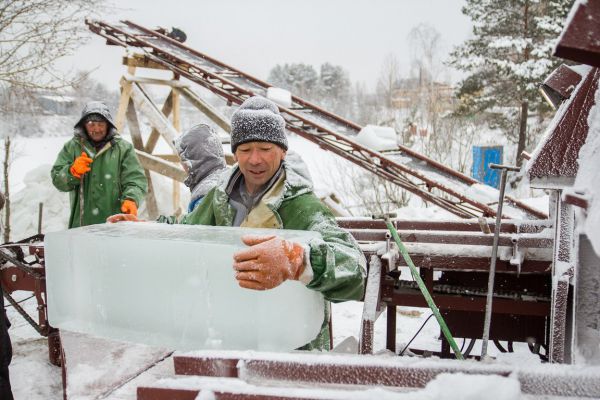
{"x":204,"y":107}
{"x":154,"y":135}
{"x":138,"y":144}
{"x":177,"y":126}
{"x":124,"y":100}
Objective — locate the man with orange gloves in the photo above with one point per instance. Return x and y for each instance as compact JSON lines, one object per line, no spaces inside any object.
{"x":99,"y":170}
{"x":270,"y":189}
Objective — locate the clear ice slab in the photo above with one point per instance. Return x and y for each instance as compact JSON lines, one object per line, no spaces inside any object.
{"x":173,"y":286}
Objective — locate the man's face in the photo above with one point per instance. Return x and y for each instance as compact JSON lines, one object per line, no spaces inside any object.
{"x":96,"y":130}
{"x":258,"y":162}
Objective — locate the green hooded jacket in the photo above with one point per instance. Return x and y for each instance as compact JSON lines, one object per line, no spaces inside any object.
{"x":115,"y":175}
{"x":338,"y":264}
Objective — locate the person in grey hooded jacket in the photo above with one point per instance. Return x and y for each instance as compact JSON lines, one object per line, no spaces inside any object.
{"x":201,"y":154}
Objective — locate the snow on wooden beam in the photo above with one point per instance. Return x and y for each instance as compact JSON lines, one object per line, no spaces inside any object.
{"x":205,"y":108}
{"x":161,"y":166}
{"x":555,"y":163}
{"x":156,"y":118}
{"x":317,"y":369}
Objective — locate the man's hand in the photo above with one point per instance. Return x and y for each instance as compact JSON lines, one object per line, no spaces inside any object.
{"x":268,"y":262}
{"x":129,"y":207}
{"x":81,"y":165}
{"x":122,"y":217}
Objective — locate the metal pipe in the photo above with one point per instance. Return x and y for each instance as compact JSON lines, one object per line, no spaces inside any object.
{"x":40,"y":213}
{"x":491,"y":276}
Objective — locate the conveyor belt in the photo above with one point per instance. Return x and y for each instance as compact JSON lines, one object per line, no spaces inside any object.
{"x":420,"y":175}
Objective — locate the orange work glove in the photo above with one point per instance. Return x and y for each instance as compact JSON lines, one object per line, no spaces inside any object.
{"x":81,"y":165}
{"x":268,"y":262}
{"x":129,"y":207}
{"x":122,"y":217}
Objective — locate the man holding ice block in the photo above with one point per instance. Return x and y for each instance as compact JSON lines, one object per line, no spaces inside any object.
{"x":265,"y":191}
{"x":99,"y":170}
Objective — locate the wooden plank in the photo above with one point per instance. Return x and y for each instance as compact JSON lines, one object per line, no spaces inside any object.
{"x":154,"y":135}
{"x":154,"y":81}
{"x":151,"y":205}
{"x":123,"y":104}
{"x":156,"y":118}
{"x":134,"y":127}
{"x":162,"y":167}
{"x":138,"y":144}
{"x":139,"y":60}
{"x":176,"y":113}
{"x":174,"y":158}
{"x":205,"y":108}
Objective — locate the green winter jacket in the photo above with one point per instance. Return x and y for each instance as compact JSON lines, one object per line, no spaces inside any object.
{"x":338,"y":264}
{"x":115,"y":175}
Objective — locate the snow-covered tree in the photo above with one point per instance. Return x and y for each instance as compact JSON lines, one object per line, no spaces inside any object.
{"x":335,"y":89}
{"x":507,"y":58}
{"x":300,"y":79}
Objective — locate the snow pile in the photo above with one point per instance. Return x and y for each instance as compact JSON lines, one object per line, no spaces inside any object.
{"x":483,"y":193}
{"x":378,"y":137}
{"x":38,"y":189}
{"x":462,"y":386}
{"x":280,"y":96}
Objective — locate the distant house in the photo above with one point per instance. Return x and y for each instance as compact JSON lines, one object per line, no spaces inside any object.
{"x":409,"y":91}
{"x":57,"y":104}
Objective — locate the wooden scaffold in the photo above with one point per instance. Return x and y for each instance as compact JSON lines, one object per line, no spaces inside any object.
{"x":135,"y":99}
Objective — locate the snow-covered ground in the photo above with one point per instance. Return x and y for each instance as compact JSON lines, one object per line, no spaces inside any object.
{"x":31,"y":374}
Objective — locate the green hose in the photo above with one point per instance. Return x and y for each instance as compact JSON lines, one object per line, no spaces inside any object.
{"x":424,"y":290}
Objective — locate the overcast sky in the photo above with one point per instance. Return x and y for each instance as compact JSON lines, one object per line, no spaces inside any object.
{"x":255,"y":35}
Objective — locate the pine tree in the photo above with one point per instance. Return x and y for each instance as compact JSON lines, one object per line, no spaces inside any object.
{"x":508,"y":57}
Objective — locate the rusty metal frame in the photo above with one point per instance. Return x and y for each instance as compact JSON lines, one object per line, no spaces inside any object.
{"x":222,"y":83}
{"x":18,"y":274}
{"x":466,"y":300}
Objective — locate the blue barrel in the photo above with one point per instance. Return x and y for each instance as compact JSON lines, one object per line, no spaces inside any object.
{"x":482,"y":157}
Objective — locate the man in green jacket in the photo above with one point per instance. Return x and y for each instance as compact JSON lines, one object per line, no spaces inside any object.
{"x":99,"y":170}
{"x":266,"y":190}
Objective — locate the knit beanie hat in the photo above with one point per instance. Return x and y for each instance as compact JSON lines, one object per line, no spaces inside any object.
{"x":257,"y":120}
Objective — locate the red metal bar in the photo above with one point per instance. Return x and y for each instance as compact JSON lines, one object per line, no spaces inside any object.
{"x":471,"y":303}
{"x":449,"y":263}
{"x":207,"y":366}
{"x":151,"y":393}
{"x":454,"y":238}
{"x":459,"y":225}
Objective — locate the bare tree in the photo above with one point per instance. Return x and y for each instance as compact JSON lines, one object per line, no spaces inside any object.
{"x":19,"y":113}
{"x":34,"y":34}
{"x":424,"y":42}
{"x":5,"y":174}
{"x":388,"y":79}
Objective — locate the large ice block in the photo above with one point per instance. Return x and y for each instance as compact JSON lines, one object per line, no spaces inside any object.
{"x":173,"y":286}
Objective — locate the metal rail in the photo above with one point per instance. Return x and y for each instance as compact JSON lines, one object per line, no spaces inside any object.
{"x":422,"y":176}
